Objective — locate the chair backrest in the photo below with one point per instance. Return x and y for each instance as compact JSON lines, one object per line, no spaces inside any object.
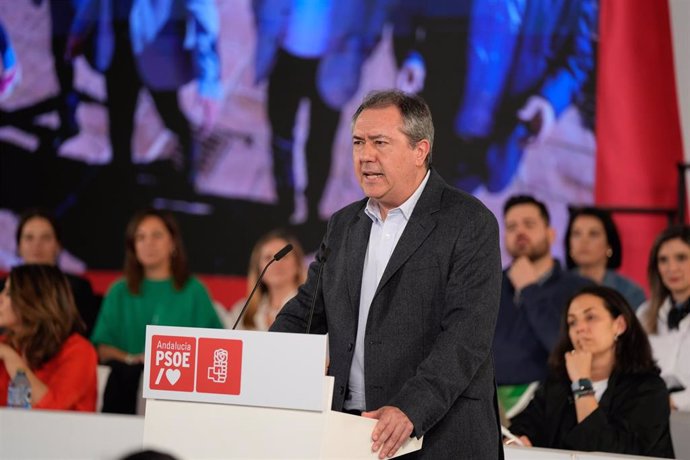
{"x":680,"y":433}
{"x":102,"y":373}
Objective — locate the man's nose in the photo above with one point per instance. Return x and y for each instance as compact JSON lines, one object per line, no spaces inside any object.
{"x":367,"y":153}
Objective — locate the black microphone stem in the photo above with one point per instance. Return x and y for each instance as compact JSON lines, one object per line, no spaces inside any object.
{"x":251,"y":294}
{"x":326,"y":253}
{"x":278,"y":255}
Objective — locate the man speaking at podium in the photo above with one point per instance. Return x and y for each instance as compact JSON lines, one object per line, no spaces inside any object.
{"x":408,"y":294}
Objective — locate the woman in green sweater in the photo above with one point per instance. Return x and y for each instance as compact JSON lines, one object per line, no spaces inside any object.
{"x":157,"y":288}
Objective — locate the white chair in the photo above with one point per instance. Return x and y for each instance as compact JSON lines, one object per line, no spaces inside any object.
{"x":102,"y":374}
{"x":680,"y":433}
{"x":227,"y":317}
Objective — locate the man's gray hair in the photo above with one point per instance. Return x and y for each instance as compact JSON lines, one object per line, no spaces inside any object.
{"x":417,"y":122}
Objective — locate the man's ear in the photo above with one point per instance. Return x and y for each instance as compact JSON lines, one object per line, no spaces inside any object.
{"x":551,"y":235}
{"x":421,"y":152}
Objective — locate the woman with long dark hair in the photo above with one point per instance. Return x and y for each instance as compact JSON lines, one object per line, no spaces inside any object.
{"x":42,"y":338}
{"x":666,"y":316}
{"x":157,"y":289}
{"x":604,"y":392}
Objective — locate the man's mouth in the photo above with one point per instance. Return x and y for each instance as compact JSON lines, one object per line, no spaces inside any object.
{"x":372,"y":175}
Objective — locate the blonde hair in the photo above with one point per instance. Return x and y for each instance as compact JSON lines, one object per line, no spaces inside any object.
{"x":255,"y":270}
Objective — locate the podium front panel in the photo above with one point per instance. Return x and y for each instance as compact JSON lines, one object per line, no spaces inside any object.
{"x":249,"y":368}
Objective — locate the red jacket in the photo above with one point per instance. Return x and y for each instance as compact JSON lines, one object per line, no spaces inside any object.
{"x":70,"y":377}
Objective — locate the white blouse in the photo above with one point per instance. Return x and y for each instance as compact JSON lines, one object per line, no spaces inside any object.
{"x":671,"y":350}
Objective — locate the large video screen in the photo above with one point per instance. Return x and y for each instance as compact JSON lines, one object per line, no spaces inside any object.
{"x":235,"y":115}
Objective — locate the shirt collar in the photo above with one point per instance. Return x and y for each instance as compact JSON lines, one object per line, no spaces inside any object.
{"x":372,"y":209}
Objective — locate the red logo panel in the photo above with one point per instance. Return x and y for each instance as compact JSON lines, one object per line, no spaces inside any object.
{"x":172,"y":363}
{"x":219,"y":368}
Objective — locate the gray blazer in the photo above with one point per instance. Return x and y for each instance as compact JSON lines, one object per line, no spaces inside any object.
{"x":431,"y":322}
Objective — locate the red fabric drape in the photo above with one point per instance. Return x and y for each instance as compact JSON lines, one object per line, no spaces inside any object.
{"x":638,"y":129}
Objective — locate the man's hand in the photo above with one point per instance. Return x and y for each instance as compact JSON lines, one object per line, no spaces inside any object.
{"x":392,"y":429}
{"x":522,"y":273}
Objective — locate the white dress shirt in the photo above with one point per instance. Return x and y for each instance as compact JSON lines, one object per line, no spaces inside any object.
{"x":383,"y":238}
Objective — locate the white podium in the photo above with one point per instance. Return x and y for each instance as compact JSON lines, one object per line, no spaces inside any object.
{"x":242,"y":394}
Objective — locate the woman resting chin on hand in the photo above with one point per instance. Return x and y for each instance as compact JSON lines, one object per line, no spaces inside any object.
{"x":41,"y":338}
{"x":604,"y":392}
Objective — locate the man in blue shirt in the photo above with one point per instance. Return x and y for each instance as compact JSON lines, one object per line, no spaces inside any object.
{"x":533,"y":295}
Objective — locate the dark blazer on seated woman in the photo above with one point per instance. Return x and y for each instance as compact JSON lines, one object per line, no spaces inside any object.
{"x":603,"y":392}
{"x":627,"y":420}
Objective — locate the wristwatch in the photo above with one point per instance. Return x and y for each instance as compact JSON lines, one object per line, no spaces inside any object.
{"x":582,"y":387}
{"x":129,"y":359}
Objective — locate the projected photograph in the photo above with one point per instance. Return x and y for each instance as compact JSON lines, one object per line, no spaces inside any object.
{"x":235,"y":114}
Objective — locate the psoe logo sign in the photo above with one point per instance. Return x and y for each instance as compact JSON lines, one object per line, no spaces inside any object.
{"x":172,"y":363}
{"x":219,"y":368}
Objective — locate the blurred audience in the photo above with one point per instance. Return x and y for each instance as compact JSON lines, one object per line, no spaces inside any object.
{"x":665,"y":315}
{"x":278,"y":285}
{"x":533,"y":295}
{"x":311,"y":51}
{"x":593,"y":250}
{"x":160,"y":45}
{"x":39,"y":241}
{"x":41,"y":338}
{"x":604,"y":392}
{"x":158,"y":289}
{"x":62,"y":13}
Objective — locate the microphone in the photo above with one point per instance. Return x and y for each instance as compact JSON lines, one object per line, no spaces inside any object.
{"x":280,"y":254}
{"x":324,"y":256}
{"x":277,"y":256}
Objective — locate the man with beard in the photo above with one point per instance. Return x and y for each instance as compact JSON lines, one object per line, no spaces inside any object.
{"x":534,"y":292}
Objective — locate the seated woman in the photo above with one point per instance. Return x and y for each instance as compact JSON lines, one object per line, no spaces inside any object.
{"x":279,"y":284}
{"x":39,"y":242}
{"x":604,"y":392}
{"x":593,"y":250}
{"x":41,"y":337}
{"x":158,"y":289}
{"x":666,"y":316}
